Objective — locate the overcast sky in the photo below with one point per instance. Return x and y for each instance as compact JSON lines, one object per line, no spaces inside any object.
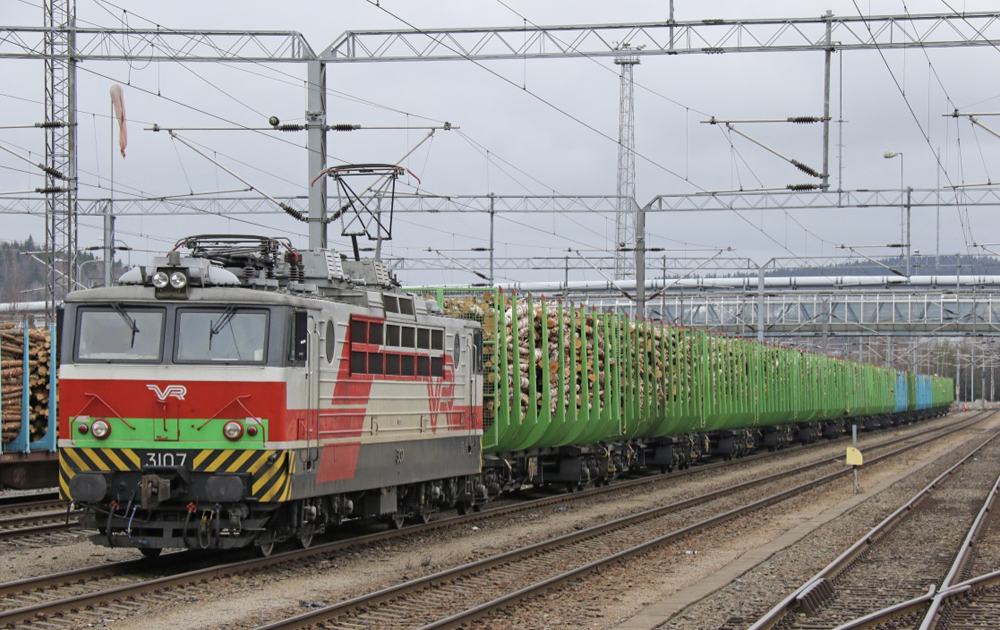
{"x":513,"y":140}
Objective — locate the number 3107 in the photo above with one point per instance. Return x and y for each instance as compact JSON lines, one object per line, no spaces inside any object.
{"x":161,"y":460}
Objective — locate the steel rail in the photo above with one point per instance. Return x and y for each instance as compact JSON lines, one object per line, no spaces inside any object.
{"x":18,"y":523}
{"x":939,"y":594}
{"x":124,"y":567}
{"x":22,"y":500}
{"x":969,"y":588}
{"x":33,"y":506}
{"x":28,"y":585}
{"x":816,"y":583}
{"x":47,"y":609}
{"x":50,"y":528}
{"x":337,"y":610}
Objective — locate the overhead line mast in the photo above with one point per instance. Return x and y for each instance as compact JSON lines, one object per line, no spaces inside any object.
{"x":625,"y":215}
{"x":60,"y":151}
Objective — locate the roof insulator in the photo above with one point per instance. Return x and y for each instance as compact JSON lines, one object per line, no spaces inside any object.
{"x":808,"y":170}
{"x":51,"y":171}
{"x":293,"y":212}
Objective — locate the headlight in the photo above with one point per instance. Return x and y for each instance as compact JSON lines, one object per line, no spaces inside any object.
{"x":100,"y":429}
{"x":160,"y":280}
{"x":178,"y":280}
{"x":232,"y":430}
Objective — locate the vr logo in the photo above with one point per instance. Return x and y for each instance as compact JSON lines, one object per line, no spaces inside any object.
{"x":175,"y":391}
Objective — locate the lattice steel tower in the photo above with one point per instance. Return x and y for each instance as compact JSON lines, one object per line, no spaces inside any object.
{"x":625,"y":215}
{"x":60,"y":150}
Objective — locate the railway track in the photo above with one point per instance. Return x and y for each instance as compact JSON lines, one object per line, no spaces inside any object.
{"x":14,"y":502}
{"x":442,"y":600}
{"x":904,"y":573}
{"x":124,"y":585}
{"x":35,"y":515}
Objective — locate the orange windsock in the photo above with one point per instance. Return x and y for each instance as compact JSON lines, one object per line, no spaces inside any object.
{"x":118,"y":102}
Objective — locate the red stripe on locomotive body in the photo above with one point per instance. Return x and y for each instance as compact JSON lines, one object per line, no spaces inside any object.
{"x":353,"y":391}
{"x":169,"y":398}
{"x":351,"y":405}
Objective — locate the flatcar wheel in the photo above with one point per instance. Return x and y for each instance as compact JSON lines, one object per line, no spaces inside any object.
{"x":264,"y":550}
{"x":463,"y":509}
{"x":150,"y":552}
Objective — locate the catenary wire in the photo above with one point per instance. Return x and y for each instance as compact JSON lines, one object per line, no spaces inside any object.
{"x":913,"y":114}
{"x":535,"y":96}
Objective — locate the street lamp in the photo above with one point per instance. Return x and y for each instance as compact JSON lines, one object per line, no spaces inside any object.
{"x":904,"y":208}
{"x":79,"y":270}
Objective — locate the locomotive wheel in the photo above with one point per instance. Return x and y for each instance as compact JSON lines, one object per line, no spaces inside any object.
{"x":264,"y":550}
{"x":398,"y":521}
{"x":150,"y":552}
{"x":304,"y":539}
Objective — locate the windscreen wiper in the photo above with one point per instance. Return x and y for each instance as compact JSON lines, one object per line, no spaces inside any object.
{"x":217,"y":327}
{"x":128,"y":320}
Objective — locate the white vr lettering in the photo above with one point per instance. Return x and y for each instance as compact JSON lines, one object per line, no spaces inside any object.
{"x":174,"y":391}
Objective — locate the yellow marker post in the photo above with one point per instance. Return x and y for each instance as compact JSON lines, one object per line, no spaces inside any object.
{"x":854,"y":457}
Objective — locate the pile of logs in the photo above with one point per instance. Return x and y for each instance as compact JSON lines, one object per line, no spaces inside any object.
{"x":479,"y":307}
{"x":12,"y":379}
{"x":581,"y":329}
{"x":600,"y":342}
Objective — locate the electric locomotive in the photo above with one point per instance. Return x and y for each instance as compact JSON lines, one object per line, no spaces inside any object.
{"x":245,"y":393}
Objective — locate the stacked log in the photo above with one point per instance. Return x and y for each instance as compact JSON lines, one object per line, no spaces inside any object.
{"x":540,"y":343}
{"x":589,"y":360}
{"x":12,"y":380}
{"x":480,"y":307}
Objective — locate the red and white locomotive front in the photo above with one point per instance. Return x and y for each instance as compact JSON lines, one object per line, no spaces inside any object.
{"x":201,"y":410}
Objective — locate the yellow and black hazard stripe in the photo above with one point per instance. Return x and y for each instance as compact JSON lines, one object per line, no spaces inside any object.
{"x":275,"y":483}
{"x":270,"y":471}
{"x":74,"y":460}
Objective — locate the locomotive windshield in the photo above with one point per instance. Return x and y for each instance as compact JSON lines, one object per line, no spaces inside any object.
{"x":120,"y":334}
{"x":224,"y":334}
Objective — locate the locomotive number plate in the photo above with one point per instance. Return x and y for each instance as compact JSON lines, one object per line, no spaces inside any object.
{"x":160,"y":459}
